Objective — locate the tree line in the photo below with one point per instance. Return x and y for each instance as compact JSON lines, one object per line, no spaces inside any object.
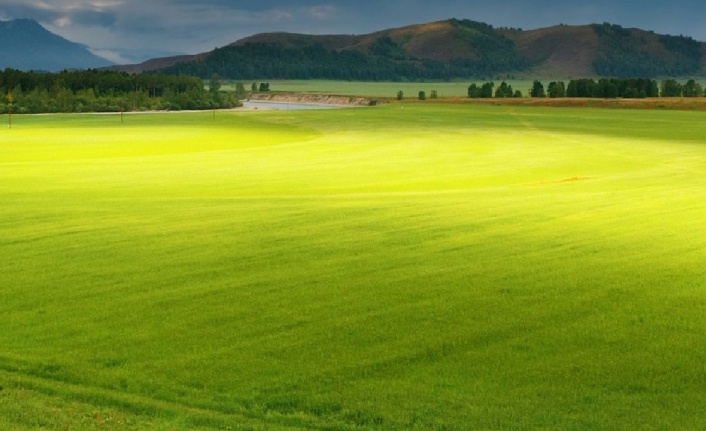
{"x":106,"y":91}
{"x":109,"y":91}
{"x":604,"y":88}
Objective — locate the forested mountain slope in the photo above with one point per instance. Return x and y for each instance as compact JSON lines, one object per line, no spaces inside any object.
{"x":447,"y":50}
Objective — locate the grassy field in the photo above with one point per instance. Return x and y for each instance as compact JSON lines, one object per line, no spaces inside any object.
{"x":387,"y":89}
{"x":437,"y":267}
{"x":410,"y":90}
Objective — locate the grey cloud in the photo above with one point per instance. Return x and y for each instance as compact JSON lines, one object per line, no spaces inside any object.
{"x":21,"y":11}
{"x":91,"y":18}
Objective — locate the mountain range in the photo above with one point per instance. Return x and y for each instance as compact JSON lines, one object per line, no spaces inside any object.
{"x":26,"y":45}
{"x":446,"y":50}
{"x":437,"y":50}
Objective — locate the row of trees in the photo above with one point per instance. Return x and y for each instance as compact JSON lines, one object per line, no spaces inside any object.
{"x":422,"y":95}
{"x":106,"y":91}
{"x":589,"y":88}
{"x":485,"y":91}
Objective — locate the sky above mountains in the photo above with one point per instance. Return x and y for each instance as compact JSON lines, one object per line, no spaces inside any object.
{"x":129,"y":31}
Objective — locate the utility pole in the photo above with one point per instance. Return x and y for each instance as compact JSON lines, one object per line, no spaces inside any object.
{"x":9,"y":117}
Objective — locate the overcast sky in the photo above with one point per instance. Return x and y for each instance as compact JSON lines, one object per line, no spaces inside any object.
{"x":127,"y":31}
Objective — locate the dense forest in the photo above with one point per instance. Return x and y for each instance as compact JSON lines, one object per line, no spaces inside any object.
{"x":257,"y":60}
{"x":625,"y":55}
{"x":106,"y":91}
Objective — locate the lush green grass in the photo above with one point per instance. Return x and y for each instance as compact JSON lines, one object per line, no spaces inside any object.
{"x":432,"y":268}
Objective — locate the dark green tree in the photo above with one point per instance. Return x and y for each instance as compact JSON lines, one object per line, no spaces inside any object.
{"x":400,"y":95}
{"x":692,"y":89}
{"x":486,"y":91}
{"x":556,"y":89}
{"x":671,"y":88}
{"x":572,"y":89}
{"x":504,"y":90}
{"x":474,"y":91}
{"x":240,"y":90}
{"x":214,"y":84}
{"x":422,"y":95}
{"x":537,"y":90}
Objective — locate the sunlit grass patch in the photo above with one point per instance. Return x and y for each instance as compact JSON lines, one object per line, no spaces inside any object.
{"x":433,"y":267}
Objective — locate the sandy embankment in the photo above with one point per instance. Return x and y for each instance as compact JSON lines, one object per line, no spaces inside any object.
{"x":311,"y":99}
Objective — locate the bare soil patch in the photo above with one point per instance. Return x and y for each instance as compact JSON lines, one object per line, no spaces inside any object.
{"x":319,"y":99}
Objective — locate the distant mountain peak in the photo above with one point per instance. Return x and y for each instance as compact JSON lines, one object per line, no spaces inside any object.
{"x":27,"y":45}
{"x":20,"y":22}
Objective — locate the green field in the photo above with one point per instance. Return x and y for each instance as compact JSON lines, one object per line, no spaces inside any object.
{"x":410,"y":90}
{"x":437,"y":267}
{"x":387,"y":89}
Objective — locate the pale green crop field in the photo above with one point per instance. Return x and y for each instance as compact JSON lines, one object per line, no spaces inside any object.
{"x":384,"y":89}
{"x":437,"y":267}
{"x":410,"y":90}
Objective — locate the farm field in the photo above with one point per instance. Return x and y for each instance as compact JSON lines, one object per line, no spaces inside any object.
{"x":437,"y":267}
{"x":457,"y":92}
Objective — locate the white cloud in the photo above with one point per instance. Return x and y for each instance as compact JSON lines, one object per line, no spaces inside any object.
{"x":63,"y":22}
{"x":323,"y":12}
{"x":106,"y":4}
{"x":112,"y":56}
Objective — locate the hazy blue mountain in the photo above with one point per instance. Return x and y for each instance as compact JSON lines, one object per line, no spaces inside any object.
{"x":26,"y":45}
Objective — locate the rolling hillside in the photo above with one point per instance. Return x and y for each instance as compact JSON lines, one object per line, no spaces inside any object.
{"x":446,"y":50}
{"x":558,"y":51}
